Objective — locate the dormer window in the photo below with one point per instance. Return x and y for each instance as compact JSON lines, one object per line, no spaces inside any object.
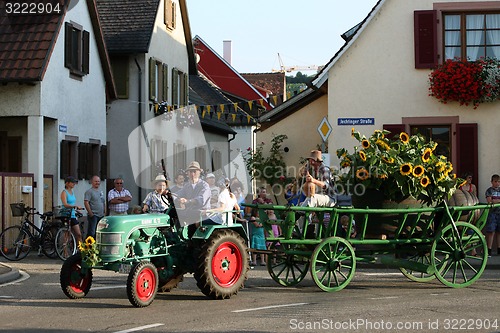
{"x":76,"y":49}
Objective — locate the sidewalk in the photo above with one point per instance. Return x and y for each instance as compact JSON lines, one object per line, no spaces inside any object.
{"x":9,"y":273}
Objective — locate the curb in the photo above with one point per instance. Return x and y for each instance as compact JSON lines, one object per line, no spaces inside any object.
{"x":8,"y":274}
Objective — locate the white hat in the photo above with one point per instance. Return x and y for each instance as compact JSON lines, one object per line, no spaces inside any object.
{"x":210,"y":175}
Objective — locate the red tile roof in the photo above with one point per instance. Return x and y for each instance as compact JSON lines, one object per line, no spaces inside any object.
{"x":26,"y":43}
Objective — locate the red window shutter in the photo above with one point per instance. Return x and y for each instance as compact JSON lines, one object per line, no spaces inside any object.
{"x":467,"y":151}
{"x":395,"y":129}
{"x":425,"y":34}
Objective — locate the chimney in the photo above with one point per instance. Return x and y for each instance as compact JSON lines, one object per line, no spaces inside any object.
{"x":227,"y":51}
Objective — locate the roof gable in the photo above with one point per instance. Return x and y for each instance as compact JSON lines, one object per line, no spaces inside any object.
{"x":217,"y":70}
{"x":351,"y":36}
{"x":26,"y":43}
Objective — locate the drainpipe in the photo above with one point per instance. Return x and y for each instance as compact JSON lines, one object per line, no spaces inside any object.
{"x":139,"y":111}
{"x":229,"y":155}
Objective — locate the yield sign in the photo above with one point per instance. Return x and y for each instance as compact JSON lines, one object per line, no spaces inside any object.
{"x":324,"y":129}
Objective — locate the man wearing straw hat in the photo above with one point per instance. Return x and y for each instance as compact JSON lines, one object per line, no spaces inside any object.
{"x":318,"y":176}
{"x":193,"y":198}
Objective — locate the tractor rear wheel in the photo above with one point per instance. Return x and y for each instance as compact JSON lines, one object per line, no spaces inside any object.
{"x":75,"y":281}
{"x":142,"y":284}
{"x":223,"y":265}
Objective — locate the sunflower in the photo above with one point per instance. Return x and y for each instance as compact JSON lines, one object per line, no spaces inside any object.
{"x":404,"y":137}
{"x":424,"y":181}
{"x":405,"y":169}
{"x":362,"y":155}
{"x":89,"y":240}
{"x":388,"y":160}
{"x":426,"y":155}
{"x":345,"y":163}
{"x":365,"y":144}
{"x":382,"y":144}
{"x":418,"y":171}
{"x":380,"y":133}
{"x":440,"y":166}
{"x":362,"y":174}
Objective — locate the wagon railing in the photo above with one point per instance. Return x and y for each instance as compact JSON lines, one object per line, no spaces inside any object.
{"x":424,"y":243}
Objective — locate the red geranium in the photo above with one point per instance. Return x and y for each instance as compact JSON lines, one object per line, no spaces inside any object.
{"x":458,"y":80}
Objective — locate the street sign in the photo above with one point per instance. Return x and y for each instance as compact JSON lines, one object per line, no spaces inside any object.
{"x":324,"y":129}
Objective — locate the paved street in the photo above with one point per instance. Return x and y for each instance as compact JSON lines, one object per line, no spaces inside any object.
{"x":376,"y":300}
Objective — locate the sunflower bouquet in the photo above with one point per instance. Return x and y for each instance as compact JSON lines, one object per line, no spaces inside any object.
{"x":399,"y":168}
{"x":89,"y":252}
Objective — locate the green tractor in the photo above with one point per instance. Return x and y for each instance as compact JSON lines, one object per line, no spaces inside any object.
{"x":156,"y":252}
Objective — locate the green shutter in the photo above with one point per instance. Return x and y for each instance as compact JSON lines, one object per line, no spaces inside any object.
{"x":165,"y":82}
{"x":175,"y":87}
{"x":152,"y":79}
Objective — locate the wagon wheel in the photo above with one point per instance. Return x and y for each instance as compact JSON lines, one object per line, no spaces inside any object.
{"x":459,"y":254}
{"x":223,"y":265}
{"x":75,"y":281}
{"x":142,"y":284}
{"x":286,"y":269}
{"x":333,"y":263}
{"x":422,"y":257}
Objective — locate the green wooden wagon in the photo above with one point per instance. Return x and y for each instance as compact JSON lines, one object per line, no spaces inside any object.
{"x":424,"y":243}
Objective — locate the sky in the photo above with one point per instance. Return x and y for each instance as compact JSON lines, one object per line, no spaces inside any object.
{"x":303,"y":33}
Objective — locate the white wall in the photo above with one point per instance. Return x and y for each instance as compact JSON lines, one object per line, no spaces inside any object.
{"x":376,"y":78}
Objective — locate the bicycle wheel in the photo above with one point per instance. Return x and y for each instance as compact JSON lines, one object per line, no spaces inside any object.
{"x":15,"y":243}
{"x":49,"y":242}
{"x":65,"y":243}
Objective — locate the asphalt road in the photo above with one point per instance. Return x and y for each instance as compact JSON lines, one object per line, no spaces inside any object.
{"x":376,"y":300}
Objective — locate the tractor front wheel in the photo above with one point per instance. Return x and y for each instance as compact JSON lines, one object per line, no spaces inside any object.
{"x":75,"y":281}
{"x":142,"y":284}
{"x":223,"y":265}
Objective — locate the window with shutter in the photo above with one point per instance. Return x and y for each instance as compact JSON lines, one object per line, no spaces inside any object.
{"x":69,"y":157}
{"x":121,"y":75}
{"x":175,"y":87}
{"x":76,"y":49}
{"x":425,"y":38}
{"x":152,"y":79}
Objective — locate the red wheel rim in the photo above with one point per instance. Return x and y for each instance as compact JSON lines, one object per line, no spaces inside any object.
{"x":145,"y":284}
{"x":78,"y":282}
{"x":227,"y":264}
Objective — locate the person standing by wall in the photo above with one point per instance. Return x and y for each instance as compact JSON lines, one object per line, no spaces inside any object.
{"x":119,"y":198}
{"x":68,"y":200}
{"x":493,"y":223}
{"x":94,"y":203}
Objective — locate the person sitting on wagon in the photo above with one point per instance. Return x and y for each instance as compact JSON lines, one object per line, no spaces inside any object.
{"x":318,"y":176}
{"x":226,"y":204}
{"x":156,"y":201}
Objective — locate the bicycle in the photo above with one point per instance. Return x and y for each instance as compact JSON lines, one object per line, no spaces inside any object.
{"x":65,"y":241}
{"x":17,"y":241}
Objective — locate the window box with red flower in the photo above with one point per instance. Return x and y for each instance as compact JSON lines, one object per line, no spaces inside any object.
{"x":466,"y":82}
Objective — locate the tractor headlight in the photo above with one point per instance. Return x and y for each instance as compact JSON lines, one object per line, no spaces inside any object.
{"x":110,"y":238}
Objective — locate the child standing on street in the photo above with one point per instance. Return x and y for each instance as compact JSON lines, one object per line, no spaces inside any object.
{"x":493,"y":222}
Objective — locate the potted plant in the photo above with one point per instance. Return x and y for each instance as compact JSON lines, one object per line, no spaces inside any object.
{"x":466,"y":82}
{"x":397,"y":169}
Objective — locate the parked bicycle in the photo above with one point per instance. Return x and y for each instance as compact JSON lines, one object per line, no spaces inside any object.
{"x":18,"y":240}
{"x":65,"y":241}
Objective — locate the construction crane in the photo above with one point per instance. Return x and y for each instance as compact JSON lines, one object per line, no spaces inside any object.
{"x":289,"y":69}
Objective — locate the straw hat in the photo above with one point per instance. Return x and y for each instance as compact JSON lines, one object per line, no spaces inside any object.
{"x":159,"y":179}
{"x":194,"y":166}
{"x":315,"y":155}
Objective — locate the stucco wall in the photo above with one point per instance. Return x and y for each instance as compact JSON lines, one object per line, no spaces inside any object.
{"x":376,"y":78}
